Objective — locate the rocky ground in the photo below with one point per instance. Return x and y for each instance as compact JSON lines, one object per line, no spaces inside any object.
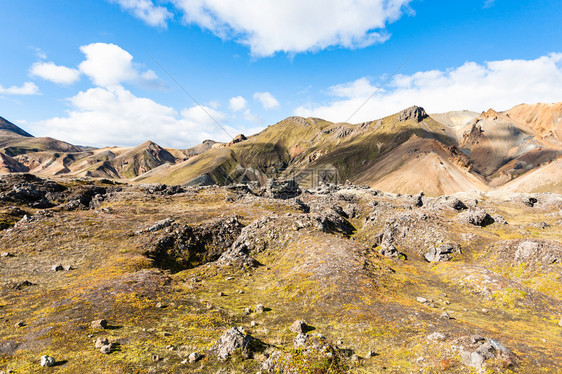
{"x":99,"y":277}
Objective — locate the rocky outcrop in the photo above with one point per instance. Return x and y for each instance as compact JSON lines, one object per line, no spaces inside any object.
{"x":414,"y":112}
{"x":186,"y":246}
{"x":441,"y":253}
{"x":476,"y":217}
{"x":232,"y":340}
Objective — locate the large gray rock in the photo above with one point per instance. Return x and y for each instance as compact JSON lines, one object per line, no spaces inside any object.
{"x":47,"y":361}
{"x":299,"y":327}
{"x":485,"y":349}
{"x":475,"y":216}
{"x":100,"y":342}
{"x":229,"y":342}
{"x":440,"y":253}
{"x":282,"y":189}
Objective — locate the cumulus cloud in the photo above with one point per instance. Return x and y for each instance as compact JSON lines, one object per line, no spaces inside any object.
{"x":498,"y":84}
{"x":237,"y":103}
{"x":146,"y":10}
{"x":267,"y":100}
{"x":28,"y":88}
{"x":54,"y":73}
{"x":109,"y":65}
{"x":295,"y":26}
{"x":115,"y":116}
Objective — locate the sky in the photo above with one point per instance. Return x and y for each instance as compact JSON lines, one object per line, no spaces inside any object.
{"x":177,"y":72}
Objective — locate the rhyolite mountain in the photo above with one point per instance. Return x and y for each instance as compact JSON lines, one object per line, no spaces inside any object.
{"x":406,"y":152}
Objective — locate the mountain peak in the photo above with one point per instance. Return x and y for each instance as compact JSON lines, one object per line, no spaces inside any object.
{"x":416,"y":113}
{"x":491,"y":113}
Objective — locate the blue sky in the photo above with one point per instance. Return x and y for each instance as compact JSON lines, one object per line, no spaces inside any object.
{"x":89,"y":72}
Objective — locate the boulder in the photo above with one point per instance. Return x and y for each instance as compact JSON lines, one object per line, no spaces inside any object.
{"x":476,"y":217}
{"x":440,"y":253}
{"x":281,"y":189}
{"x":194,"y":357}
{"x":47,"y":361}
{"x":229,"y":342}
{"x":100,"y":342}
{"x":99,"y":324}
{"x":57,"y":267}
{"x":484,"y":349}
{"x":299,"y":327}
{"x":106,"y":349}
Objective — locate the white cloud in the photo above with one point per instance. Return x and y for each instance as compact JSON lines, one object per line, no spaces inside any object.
{"x":109,"y":65}
{"x":40,"y":53}
{"x":146,"y":10}
{"x":54,"y":73}
{"x":498,"y":84}
{"x":295,"y":26}
{"x":28,"y":88}
{"x":267,"y":100}
{"x":251,"y":117}
{"x":115,"y":116}
{"x":237,"y":103}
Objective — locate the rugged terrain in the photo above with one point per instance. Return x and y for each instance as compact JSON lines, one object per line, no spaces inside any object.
{"x":518,"y":150}
{"x":107,"y":277}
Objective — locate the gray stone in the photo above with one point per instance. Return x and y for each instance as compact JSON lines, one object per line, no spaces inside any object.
{"x":440,"y":253}
{"x":420,"y":299}
{"x":230,"y":341}
{"x":57,"y":267}
{"x":472,"y":359}
{"x":106,"y":349}
{"x":300,"y":340}
{"x":99,"y":324}
{"x":47,"y":361}
{"x":260,"y":308}
{"x":100,"y":342}
{"x":194,"y":357}
{"x":298,"y":327}
{"x":475,"y":216}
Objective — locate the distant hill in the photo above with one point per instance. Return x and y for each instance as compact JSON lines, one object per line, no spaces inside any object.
{"x":8,"y":127}
{"x":406,"y":152}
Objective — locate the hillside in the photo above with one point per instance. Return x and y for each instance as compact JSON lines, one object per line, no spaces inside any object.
{"x":339,"y":279}
{"x":405,"y":152}
{"x":544,"y":119}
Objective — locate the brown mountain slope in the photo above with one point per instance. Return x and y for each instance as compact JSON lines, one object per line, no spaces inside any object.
{"x":544,"y":119}
{"x":133,"y":162}
{"x":308,"y":149}
{"x":405,"y":152}
{"x":495,"y":140}
{"x":423,"y":165}
{"x":8,"y":127}
{"x":547,"y":178}
{"x":9,"y":165}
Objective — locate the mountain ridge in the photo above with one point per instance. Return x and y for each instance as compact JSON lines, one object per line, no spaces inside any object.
{"x":460,"y":151}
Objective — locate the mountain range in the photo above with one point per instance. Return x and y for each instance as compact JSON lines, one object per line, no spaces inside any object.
{"x":516,"y":150}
